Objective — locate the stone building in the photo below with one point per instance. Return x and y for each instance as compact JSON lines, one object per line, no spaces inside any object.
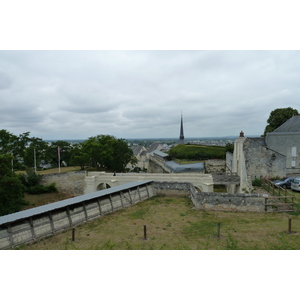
{"x":277,"y":154}
{"x":286,"y":141}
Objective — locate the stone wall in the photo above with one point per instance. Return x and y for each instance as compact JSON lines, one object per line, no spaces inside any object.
{"x":215,"y":165}
{"x":71,"y":183}
{"x":229,"y":161}
{"x":32,"y":224}
{"x":262,"y":161}
{"x":213,"y":201}
{"x":156,"y":166}
{"x":171,"y":188}
{"x":230,"y":202}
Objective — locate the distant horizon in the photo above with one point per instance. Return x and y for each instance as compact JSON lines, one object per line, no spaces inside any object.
{"x":162,"y":138}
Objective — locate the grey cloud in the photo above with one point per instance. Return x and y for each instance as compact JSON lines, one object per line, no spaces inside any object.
{"x":142,"y":93}
{"x":5,"y":81}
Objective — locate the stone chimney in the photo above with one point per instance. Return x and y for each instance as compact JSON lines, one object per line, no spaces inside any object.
{"x":242,"y":134}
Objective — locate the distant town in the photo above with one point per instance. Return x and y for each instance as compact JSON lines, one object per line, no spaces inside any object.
{"x":146,"y":142}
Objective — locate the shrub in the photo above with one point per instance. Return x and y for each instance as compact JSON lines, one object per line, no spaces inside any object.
{"x":256,"y":182}
{"x":41,"y":189}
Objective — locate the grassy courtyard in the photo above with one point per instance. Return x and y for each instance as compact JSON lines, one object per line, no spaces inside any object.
{"x":173,"y":224}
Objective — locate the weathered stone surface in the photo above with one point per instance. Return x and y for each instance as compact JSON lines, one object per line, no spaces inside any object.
{"x":72,"y":183}
{"x":215,"y":165}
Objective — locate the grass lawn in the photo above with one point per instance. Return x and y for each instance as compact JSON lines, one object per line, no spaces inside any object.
{"x":173,"y":223}
{"x":54,"y":170}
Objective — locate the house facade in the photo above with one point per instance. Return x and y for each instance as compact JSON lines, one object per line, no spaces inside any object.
{"x":277,"y":154}
{"x":286,"y":141}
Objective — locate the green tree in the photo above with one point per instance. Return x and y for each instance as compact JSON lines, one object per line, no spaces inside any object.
{"x":105,"y":151}
{"x":79,"y":157}
{"x":41,"y":151}
{"x":65,"y":152}
{"x":278,"y":116}
{"x":11,"y":188}
{"x":7,"y":142}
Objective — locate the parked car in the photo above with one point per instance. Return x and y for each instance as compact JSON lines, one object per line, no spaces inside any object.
{"x":296,"y":184}
{"x":285,"y":183}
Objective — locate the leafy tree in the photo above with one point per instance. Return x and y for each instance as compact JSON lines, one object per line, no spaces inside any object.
{"x":65,"y":152}
{"x":79,"y":157}
{"x":278,"y":116}
{"x":11,"y":188}
{"x":229,"y":147}
{"x":41,"y":151}
{"x":105,"y":151}
{"x":7,"y":141}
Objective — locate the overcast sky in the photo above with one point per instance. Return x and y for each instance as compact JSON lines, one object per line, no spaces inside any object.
{"x":141,"y":94}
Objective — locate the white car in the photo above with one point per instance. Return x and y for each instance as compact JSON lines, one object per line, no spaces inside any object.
{"x":296,"y":184}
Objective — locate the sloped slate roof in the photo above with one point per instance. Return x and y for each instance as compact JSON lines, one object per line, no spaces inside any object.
{"x":153,"y":147}
{"x":291,"y":125}
{"x":136,"y":150}
{"x":159,"y":153}
{"x":177,"y":168}
{"x":63,"y":203}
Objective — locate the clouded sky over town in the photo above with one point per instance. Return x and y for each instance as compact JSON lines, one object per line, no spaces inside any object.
{"x":78,"y":94}
{"x":141,"y":94}
{"x":75,"y":94}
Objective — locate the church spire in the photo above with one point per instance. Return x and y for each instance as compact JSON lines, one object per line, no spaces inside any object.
{"x":181,"y":137}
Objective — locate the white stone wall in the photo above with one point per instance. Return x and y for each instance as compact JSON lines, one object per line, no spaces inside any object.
{"x":72,"y":183}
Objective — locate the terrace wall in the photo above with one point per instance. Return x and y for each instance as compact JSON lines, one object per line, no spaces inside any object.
{"x":32,"y":224}
{"x":213,"y":201}
{"x":71,"y":183}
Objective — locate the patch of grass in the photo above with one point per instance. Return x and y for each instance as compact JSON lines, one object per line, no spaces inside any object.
{"x":231,"y":243}
{"x":178,"y":225}
{"x":139,"y":214}
{"x":199,"y":229}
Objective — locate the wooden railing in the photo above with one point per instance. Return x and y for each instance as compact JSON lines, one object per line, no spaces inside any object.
{"x":281,"y":200}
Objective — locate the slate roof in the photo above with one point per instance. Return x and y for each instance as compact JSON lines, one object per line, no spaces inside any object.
{"x":153,"y":147}
{"x":63,"y":203}
{"x":177,"y":168}
{"x":260,"y":140}
{"x":291,"y":125}
{"x":136,"y":150}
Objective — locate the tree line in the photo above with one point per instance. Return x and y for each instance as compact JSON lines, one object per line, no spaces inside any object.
{"x":20,"y":153}
{"x":101,"y":151}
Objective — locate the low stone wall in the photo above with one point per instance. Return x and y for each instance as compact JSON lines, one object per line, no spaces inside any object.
{"x":32,"y":224}
{"x":230,"y":202}
{"x":213,"y":201}
{"x":215,"y":166}
{"x":71,"y":183}
{"x":171,"y":188}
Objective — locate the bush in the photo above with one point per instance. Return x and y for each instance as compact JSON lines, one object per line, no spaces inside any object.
{"x":196,"y":152}
{"x":256,"y":182}
{"x":41,"y":189}
{"x":11,"y":188}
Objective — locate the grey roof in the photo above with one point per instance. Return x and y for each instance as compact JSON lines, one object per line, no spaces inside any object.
{"x":260,"y":140}
{"x":136,"y":150}
{"x":153,"y":147}
{"x":159,"y":153}
{"x":61,"y":204}
{"x":291,"y":125}
{"x":143,"y":153}
{"x":177,"y":168}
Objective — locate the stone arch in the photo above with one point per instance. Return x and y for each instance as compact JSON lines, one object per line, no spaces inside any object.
{"x":198,"y":188}
{"x":103,"y":186}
